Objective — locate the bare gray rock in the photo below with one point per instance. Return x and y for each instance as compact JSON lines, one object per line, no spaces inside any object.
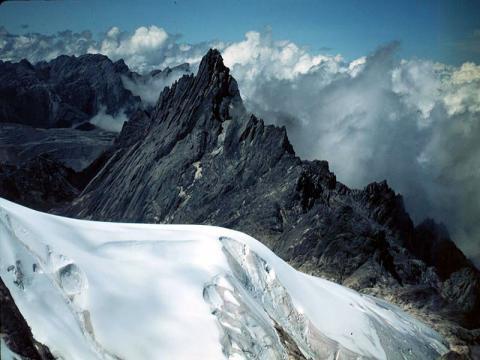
{"x":198,"y":157}
{"x":72,"y":148}
{"x":16,"y":332}
{"x":67,"y":90}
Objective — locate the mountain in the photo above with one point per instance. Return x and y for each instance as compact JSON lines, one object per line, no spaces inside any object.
{"x":93,"y":290}
{"x":73,"y":148}
{"x":71,"y":90}
{"x":48,"y":168}
{"x":67,"y":90}
{"x":51,"y":120}
{"x":49,"y":149}
{"x":200,"y":158}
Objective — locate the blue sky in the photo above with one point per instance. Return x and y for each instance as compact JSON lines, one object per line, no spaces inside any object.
{"x":446,"y":31}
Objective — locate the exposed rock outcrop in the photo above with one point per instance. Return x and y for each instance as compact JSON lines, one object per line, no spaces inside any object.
{"x":67,"y":90}
{"x":198,"y":157}
{"x":43,"y":183}
{"x":14,"y":330}
{"x":73,"y":148}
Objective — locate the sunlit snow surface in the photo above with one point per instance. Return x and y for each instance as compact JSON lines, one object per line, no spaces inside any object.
{"x":94,"y":290}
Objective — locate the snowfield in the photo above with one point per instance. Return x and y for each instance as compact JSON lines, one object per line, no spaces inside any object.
{"x":96,"y":290}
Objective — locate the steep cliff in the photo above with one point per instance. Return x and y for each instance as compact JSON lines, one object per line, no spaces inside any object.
{"x":199,"y":157}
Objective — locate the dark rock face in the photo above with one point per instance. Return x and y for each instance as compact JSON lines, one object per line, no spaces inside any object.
{"x":67,"y":90}
{"x":432,"y":243}
{"x":43,"y":183}
{"x":198,"y":157}
{"x":72,"y":148}
{"x":47,"y":168}
{"x":40,"y":183}
{"x":15,"y":330}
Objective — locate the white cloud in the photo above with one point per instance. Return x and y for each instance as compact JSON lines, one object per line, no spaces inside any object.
{"x":109,"y":122}
{"x":146,"y":49}
{"x":149,"y":87}
{"x":418,"y":83}
{"x":144,"y":40}
{"x":139,"y":48}
{"x":36,"y":47}
{"x":467,"y":73}
{"x":260,"y":58}
{"x":462,"y":89}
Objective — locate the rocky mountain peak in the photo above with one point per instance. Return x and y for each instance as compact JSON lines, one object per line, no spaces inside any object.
{"x":65,"y":91}
{"x":198,"y":157}
{"x":213,"y":88}
{"x":212,"y":63}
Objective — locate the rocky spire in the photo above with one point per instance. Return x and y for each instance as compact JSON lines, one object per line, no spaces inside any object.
{"x":212,"y":88}
{"x":211,"y":64}
{"x":199,"y":159}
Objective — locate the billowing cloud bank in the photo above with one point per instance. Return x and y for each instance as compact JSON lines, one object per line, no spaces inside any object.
{"x":413,"y":122}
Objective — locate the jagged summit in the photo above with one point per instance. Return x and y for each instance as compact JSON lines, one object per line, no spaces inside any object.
{"x":212,"y":62}
{"x":212,"y":89}
{"x":199,"y":157}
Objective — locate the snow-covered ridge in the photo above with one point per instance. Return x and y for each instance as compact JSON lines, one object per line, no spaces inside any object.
{"x":94,"y":290}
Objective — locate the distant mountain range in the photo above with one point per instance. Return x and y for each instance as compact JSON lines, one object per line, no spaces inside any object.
{"x":198,"y":157}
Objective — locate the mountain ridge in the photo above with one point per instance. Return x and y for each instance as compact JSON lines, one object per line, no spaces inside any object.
{"x":65,"y":91}
{"x":199,"y":157}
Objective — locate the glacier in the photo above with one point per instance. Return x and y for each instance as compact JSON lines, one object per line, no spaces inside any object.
{"x":98,"y":290}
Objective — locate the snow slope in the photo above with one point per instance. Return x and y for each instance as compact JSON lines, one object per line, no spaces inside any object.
{"x":94,"y":290}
